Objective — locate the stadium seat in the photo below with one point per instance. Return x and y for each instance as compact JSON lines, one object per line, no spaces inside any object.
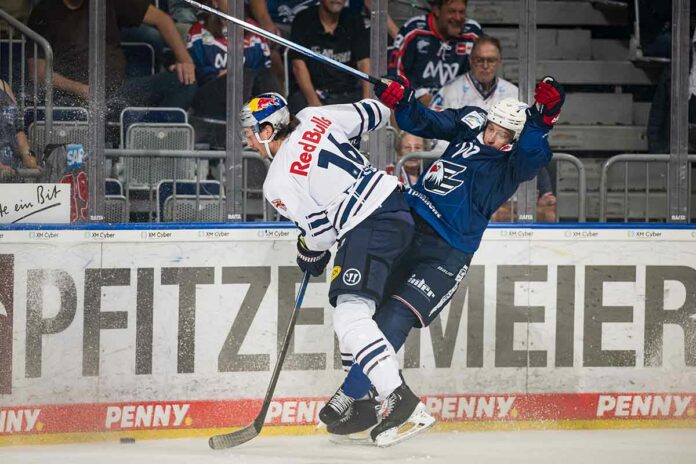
{"x":190,"y":202}
{"x":140,"y":58}
{"x":143,"y":173}
{"x":138,"y":114}
{"x":64,"y":132}
{"x":60,"y":113}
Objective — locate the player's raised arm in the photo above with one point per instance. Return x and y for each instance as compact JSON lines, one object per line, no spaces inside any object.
{"x":533,"y":151}
{"x":412,"y":116}
{"x":356,"y":118}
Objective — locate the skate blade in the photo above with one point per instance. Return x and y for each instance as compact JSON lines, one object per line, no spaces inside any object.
{"x":419,"y":422}
{"x":354,"y":439}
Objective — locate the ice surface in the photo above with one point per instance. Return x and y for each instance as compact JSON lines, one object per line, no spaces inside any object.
{"x":644,"y":446}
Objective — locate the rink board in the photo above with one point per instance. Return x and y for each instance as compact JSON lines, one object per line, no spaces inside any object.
{"x":172,"y":331}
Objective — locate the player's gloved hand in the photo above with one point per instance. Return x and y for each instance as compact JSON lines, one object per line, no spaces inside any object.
{"x":549,"y":97}
{"x":310,"y":261}
{"x":393,"y":91}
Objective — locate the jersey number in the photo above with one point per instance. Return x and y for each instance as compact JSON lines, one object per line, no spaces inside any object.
{"x":351,"y":162}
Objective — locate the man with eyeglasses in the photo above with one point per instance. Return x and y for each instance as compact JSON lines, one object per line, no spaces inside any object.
{"x":480,"y":86}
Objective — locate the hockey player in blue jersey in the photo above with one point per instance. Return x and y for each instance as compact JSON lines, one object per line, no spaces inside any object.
{"x":489,"y":155}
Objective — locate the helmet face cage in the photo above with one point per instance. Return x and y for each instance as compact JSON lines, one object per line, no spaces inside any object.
{"x":510,"y":114}
{"x":267,"y":108}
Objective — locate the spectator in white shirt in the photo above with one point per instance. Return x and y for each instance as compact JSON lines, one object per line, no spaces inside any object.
{"x":480,"y":86}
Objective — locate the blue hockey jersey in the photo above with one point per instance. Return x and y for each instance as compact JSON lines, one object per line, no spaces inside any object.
{"x":427,"y":59}
{"x":462,"y":189}
{"x":209,"y":53}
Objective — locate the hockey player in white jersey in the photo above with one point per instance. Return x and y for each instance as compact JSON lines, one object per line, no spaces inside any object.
{"x":328,"y":188}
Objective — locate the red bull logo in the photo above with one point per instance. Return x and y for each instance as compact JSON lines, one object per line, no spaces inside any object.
{"x":261,"y":103}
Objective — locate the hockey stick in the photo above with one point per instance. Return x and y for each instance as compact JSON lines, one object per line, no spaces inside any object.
{"x":291,"y":45}
{"x":236,"y":438}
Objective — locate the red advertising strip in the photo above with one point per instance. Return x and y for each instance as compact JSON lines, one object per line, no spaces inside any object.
{"x":181,"y":415}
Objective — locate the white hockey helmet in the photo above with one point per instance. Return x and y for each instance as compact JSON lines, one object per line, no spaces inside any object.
{"x":509,"y":113}
{"x":267,"y":108}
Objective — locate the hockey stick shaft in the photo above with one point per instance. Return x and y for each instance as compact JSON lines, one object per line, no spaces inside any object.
{"x":238,"y":437}
{"x":288,"y":43}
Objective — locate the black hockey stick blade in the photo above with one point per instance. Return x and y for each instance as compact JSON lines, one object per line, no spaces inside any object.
{"x":236,"y":438}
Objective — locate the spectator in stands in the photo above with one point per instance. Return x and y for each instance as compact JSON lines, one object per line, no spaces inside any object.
{"x":207,"y":43}
{"x":408,"y":143}
{"x":14,"y":146}
{"x":183,"y":14}
{"x":480,"y":86}
{"x":546,"y":202}
{"x":336,"y":32}
{"x":276,"y":16}
{"x":65,"y":24}
{"x":431,"y":50}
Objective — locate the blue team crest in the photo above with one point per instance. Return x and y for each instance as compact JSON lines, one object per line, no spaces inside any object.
{"x":440,"y":178}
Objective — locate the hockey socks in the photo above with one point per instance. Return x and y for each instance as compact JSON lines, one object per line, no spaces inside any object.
{"x":395,"y":321}
{"x":358,"y":334}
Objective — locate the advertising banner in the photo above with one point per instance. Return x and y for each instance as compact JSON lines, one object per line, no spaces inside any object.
{"x":35,"y":203}
{"x":167,"y":329}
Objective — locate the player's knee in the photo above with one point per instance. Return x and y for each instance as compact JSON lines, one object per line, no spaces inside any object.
{"x":395,"y":320}
{"x":350,"y":313}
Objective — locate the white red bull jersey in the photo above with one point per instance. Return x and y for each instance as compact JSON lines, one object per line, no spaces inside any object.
{"x":319,"y":180}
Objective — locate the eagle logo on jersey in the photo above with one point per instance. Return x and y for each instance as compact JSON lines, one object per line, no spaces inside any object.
{"x":440,"y":177}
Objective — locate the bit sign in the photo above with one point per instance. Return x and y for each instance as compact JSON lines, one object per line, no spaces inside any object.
{"x":35,"y":203}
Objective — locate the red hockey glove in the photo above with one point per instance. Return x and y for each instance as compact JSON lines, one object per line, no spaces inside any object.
{"x":393,"y":91}
{"x":549,"y":97}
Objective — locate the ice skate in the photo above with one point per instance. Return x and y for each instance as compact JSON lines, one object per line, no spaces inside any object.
{"x":403,"y":416}
{"x":335,"y":408}
{"x":354,"y":427}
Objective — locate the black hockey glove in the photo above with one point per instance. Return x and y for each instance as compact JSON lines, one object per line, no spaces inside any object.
{"x":549,"y":97}
{"x":394,"y":91}
{"x":310,"y":261}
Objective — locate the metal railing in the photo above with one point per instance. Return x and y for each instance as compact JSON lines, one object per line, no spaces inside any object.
{"x":648,"y":159}
{"x":582,"y":182}
{"x":560,"y":157}
{"x":38,"y":41}
{"x":199,"y":156}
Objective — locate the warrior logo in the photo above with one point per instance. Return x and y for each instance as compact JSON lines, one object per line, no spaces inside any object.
{"x":440,"y":177}
{"x":351,"y":277}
